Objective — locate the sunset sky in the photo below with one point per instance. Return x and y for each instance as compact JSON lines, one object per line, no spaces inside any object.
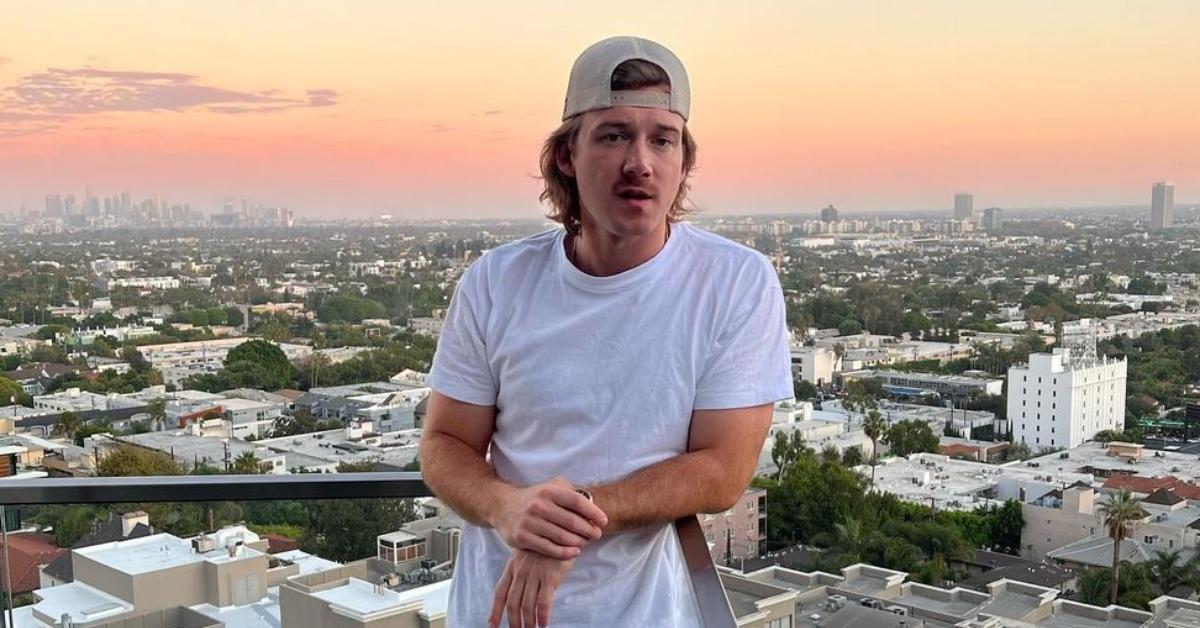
{"x":438,"y":108}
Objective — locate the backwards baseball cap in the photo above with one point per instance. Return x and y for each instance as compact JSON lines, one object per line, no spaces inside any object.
{"x":590,"y":86}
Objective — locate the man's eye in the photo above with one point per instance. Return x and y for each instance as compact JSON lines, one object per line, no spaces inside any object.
{"x":613,"y":138}
{"x":663,"y":141}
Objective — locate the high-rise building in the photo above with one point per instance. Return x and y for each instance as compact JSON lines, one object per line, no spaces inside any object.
{"x":829,"y":214}
{"x":1058,"y":401}
{"x":993,"y":218}
{"x":964,"y":206}
{"x":1162,"y":205}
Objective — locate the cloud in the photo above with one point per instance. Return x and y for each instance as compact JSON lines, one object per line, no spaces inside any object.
{"x":4,"y":60}
{"x":58,"y":94}
{"x":442,"y":128}
{"x":492,"y":112}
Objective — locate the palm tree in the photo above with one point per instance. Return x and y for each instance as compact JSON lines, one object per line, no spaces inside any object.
{"x":849,"y":538}
{"x":873,"y":427}
{"x":1169,"y":570}
{"x":1119,"y":512}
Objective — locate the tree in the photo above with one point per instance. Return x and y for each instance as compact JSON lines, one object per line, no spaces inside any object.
{"x":852,"y":456}
{"x":217,"y":316}
{"x":1019,"y":451}
{"x":1145,"y":286}
{"x":909,"y":437}
{"x":12,"y":393}
{"x":914,"y":322}
{"x":803,"y":389}
{"x":348,"y":529}
{"x":129,"y":460}
{"x":849,"y":327}
{"x":349,"y":310}
{"x":257,"y":364}
{"x":157,"y":410}
{"x":51,"y":332}
{"x":199,"y":318}
{"x":71,"y":523}
{"x":873,"y":427}
{"x":1119,"y":512}
{"x":862,"y":395}
{"x":68,"y":424}
{"x":247,"y":464}
{"x":234,"y":316}
{"x":1005,"y":525}
{"x":1169,"y":570}
{"x":786,"y":451}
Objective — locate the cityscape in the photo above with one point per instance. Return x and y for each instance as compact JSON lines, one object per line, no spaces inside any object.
{"x":928,"y":465}
{"x":231,"y":234}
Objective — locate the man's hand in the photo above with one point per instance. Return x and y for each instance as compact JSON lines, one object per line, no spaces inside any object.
{"x":526,"y":590}
{"x":550,"y":519}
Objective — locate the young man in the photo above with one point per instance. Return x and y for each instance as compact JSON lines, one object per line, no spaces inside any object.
{"x":596,"y":382}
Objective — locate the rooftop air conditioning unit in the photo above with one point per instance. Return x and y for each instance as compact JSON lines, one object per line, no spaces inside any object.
{"x":204,"y":544}
{"x":897,"y":610}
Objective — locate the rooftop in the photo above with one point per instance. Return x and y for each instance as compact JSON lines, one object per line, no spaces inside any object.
{"x":81,"y":602}
{"x":143,"y":555}
{"x":261,"y":614}
{"x":964,"y":484}
{"x":307,"y":563}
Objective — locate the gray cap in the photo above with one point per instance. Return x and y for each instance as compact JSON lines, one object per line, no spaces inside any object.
{"x":591,"y":77}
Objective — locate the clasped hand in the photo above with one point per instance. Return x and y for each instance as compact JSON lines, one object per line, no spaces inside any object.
{"x":547,"y":526}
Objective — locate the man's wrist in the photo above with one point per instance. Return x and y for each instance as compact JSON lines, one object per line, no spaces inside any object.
{"x":500,"y":492}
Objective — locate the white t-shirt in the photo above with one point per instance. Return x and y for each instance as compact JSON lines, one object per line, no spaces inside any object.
{"x":594,"y":378}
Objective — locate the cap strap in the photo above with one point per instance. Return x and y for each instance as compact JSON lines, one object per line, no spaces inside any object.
{"x":640,"y":98}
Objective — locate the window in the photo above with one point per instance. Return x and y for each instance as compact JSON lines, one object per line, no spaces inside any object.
{"x":1148,"y":539}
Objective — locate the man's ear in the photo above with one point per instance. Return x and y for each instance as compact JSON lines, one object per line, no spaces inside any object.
{"x":562,"y":159}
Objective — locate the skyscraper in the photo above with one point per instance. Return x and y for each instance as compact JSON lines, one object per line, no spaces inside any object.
{"x":992,"y":218}
{"x":964,"y":206}
{"x":829,"y":214}
{"x":1162,"y":205}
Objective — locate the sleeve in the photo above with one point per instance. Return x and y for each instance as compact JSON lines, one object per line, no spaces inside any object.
{"x":460,"y":363}
{"x":750,"y":362}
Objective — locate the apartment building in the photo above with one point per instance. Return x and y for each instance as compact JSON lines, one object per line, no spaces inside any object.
{"x":153,"y":580}
{"x":1065,"y":525}
{"x":739,"y":533}
{"x":105,"y":284}
{"x":814,"y":365}
{"x":1059,"y":401}
{"x":864,"y":596}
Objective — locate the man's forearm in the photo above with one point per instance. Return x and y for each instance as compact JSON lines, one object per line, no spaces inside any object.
{"x":687,"y":484}
{"x":462,"y":478}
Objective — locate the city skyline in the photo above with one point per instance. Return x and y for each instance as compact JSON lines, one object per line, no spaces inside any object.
{"x":388,"y":109}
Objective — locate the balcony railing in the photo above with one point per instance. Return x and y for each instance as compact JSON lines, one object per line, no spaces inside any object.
{"x":714,"y":607}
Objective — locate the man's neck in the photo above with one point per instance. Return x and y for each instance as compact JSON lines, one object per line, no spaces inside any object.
{"x":603,"y":254}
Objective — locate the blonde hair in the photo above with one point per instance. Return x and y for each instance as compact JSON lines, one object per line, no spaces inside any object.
{"x":562,"y":192}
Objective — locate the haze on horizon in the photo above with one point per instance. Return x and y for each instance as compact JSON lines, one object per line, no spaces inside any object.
{"x":362,"y":108}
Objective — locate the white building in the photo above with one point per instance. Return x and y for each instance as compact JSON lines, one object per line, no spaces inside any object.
{"x":1058,"y":402}
{"x":814,"y":365}
{"x":146,"y":283}
{"x":244,"y":417}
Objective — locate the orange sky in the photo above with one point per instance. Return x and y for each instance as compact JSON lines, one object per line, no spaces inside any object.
{"x":356,"y":108}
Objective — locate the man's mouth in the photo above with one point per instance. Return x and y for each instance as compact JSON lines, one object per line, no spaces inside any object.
{"x":635,"y":194}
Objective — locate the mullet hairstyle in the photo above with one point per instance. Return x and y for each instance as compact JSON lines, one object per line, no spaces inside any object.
{"x":562,"y":192}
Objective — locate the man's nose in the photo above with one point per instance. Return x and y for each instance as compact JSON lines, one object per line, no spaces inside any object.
{"x":637,"y":160}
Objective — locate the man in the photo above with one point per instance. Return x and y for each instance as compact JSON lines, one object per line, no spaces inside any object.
{"x":596,"y":382}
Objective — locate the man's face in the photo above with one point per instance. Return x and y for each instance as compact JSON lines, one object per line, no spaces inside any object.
{"x":628,"y":164}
